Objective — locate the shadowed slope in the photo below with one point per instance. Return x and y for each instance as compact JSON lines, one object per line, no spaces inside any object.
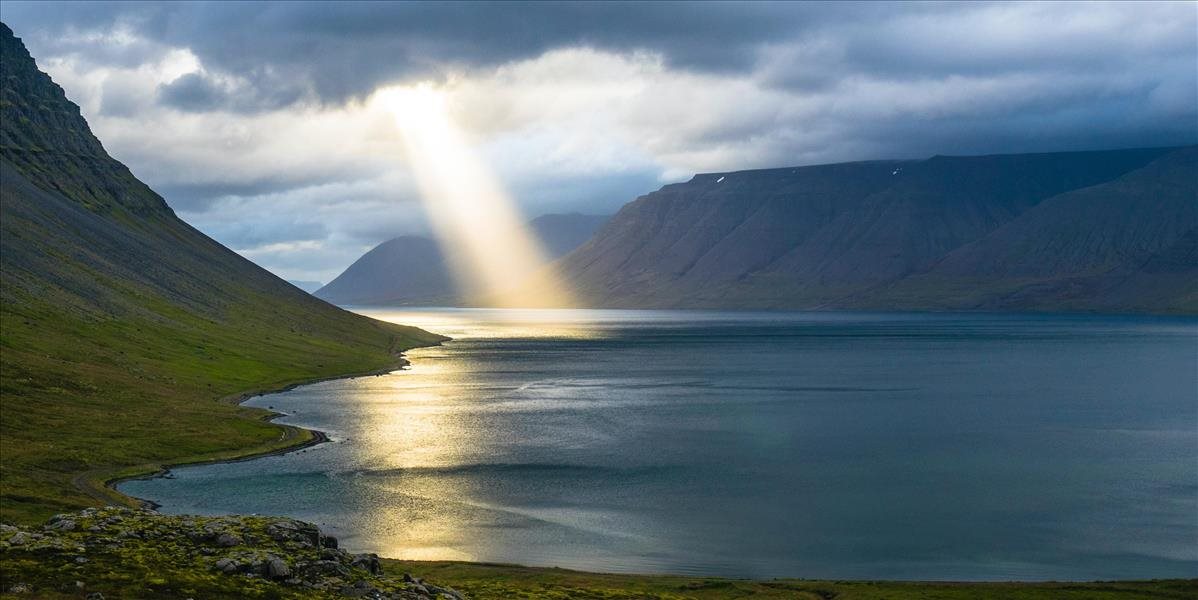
{"x":122,"y":325}
{"x":852,"y":235}
{"x":1124,"y":245}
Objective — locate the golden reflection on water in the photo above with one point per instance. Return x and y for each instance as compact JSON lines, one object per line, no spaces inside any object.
{"x":495,"y":323}
{"x":421,"y":425}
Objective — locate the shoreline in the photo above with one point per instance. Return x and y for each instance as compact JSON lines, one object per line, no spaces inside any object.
{"x":101,"y":484}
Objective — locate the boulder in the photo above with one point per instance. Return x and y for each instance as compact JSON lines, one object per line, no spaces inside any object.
{"x":227,"y":566}
{"x":370,"y":562}
{"x":276,"y":568}
{"x":62,"y":524}
{"x":227,"y":540}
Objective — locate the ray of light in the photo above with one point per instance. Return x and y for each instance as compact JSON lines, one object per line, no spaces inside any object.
{"x":485,"y":238}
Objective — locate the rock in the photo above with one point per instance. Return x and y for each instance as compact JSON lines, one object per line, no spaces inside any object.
{"x":227,"y":540}
{"x":95,"y":596}
{"x":19,"y":588}
{"x":81,"y":560}
{"x":438,"y":591}
{"x":19,"y":538}
{"x":63,"y":524}
{"x":227,"y":566}
{"x":276,"y":568}
{"x":370,"y":562}
{"x":328,"y":541}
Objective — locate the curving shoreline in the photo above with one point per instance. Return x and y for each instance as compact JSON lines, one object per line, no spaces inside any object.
{"x":100,"y":484}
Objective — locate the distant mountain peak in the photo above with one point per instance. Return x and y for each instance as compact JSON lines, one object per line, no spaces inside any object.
{"x":413,"y":269}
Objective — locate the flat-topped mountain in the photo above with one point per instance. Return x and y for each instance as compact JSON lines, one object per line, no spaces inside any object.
{"x":123,"y":325}
{"x":1106,"y":231}
{"x":413,"y":270}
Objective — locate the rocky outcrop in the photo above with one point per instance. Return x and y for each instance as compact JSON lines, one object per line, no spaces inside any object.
{"x":185,"y":555}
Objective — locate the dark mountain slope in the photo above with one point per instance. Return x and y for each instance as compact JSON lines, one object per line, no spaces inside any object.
{"x":1085,"y":248}
{"x":713,"y":229}
{"x":122,"y":325}
{"x":826,"y":236}
{"x":559,"y":234}
{"x":412,"y":270}
{"x":405,"y":270}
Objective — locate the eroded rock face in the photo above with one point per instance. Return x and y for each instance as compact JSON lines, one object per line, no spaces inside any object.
{"x":272,"y":555}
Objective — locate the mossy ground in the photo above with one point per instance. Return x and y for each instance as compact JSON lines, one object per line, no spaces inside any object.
{"x":510,"y":582}
{"x":130,"y":553}
{"x":127,"y":553}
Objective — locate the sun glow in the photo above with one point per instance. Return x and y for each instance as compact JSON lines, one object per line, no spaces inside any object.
{"x":492,"y":253}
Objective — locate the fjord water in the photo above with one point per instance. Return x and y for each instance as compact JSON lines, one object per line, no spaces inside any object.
{"x":822,"y":445}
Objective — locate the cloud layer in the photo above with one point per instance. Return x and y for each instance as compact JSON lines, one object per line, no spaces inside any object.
{"x":255,"y":120}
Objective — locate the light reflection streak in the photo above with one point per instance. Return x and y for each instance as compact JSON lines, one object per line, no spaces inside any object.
{"x":494,"y":257}
{"x":420,"y":428}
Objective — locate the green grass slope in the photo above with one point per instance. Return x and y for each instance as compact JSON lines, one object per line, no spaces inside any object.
{"x":122,"y":328}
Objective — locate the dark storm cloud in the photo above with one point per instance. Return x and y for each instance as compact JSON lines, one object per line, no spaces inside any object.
{"x":193,"y":92}
{"x":347,"y":49}
{"x":199,"y":92}
{"x":243,"y":112}
{"x":284,"y":52}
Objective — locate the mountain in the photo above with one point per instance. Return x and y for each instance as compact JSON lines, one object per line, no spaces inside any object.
{"x":1054,"y":231}
{"x":123,"y":326}
{"x":405,"y":270}
{"x":307,"y":286}
{"x":412,"y":270}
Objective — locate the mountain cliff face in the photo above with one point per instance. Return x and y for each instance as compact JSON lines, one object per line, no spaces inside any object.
{"x":121,"y":323}
{"x":412,"y":270}
{"x":1058,"y":231}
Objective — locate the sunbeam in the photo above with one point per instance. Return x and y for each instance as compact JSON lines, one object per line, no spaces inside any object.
{"x":484,"y":235}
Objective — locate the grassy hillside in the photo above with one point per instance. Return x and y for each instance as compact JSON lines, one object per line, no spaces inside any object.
{"x":122,"y":328}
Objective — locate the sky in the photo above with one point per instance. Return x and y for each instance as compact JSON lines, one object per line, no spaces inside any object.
{"x":258,"y":121}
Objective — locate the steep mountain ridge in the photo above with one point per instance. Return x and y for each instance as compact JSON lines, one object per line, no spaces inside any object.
{"x":122,"y":325}
{"x":848,"y":235}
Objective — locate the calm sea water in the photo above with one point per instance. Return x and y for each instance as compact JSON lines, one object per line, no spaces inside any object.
{"x":752,"y":444}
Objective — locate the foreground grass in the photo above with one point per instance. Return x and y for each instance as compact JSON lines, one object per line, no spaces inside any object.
{"x":495,"y":582}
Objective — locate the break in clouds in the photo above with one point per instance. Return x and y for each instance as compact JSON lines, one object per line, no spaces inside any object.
{"x":254,"y":120}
